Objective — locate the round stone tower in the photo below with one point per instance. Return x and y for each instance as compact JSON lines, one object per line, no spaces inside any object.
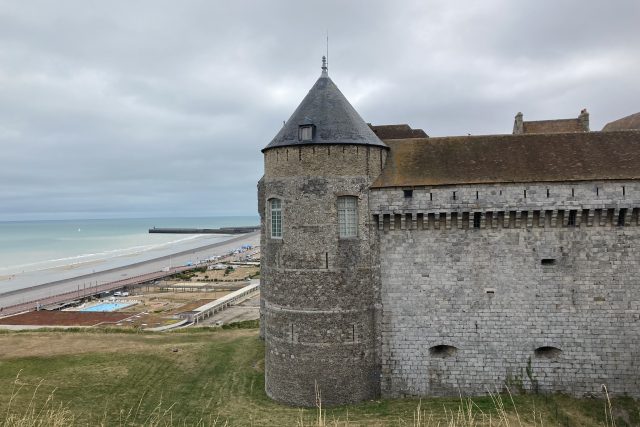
{"x":319,"y":272}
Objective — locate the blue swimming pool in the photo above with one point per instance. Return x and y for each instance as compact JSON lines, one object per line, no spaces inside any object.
{"x":107,"y":306}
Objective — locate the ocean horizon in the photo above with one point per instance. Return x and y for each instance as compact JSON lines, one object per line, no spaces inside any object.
{"x":48,"y":248}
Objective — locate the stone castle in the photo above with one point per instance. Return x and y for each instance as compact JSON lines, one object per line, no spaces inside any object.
{"x":395,"y":264}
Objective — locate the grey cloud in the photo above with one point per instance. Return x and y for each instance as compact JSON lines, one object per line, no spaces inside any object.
{"x":158,"y":108}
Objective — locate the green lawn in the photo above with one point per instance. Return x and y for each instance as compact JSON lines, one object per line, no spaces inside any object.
{"x":215,"y":377}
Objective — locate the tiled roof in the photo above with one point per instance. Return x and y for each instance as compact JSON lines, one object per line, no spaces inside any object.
{"x":397,"y":131}
{"x":512,"y":158}
{"x":629,"y":122}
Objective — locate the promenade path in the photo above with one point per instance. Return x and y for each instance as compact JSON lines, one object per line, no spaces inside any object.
{"x":47,"y":293}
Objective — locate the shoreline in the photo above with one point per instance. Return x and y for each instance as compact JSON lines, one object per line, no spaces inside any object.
{"x":41,"y":291}
{"x":101,"y":257}
{"x":29,"y":250}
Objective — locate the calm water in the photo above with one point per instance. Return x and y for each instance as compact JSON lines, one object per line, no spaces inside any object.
{"x":39,"y":245}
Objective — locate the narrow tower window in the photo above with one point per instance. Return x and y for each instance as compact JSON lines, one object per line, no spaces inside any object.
{"x":276,"y":218}
{"x":348,"y":216}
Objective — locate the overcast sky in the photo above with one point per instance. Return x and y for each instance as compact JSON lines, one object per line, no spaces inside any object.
{"x":160,"y":108}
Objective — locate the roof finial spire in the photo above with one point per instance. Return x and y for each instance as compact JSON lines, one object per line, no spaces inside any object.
{"x":325,"y":70}
{"x":327,"y":50}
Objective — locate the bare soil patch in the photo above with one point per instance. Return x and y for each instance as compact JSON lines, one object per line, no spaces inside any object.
{"x":64,"y":318}
{"x":170,"y":303}
{"x":191,"y":306}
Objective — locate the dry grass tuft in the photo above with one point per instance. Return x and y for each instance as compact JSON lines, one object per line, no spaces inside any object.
{"x":35,"y":415}
{"x":467,"y":414}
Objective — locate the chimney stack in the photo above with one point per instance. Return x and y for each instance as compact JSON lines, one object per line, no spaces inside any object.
{"x":584,"y":119}
{"x":518,"y":127}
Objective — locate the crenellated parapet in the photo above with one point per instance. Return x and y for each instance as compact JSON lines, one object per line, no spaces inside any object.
{"x":552,"y":205}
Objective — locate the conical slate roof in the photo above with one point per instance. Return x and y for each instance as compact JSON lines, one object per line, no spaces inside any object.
{"x":334,"y":120}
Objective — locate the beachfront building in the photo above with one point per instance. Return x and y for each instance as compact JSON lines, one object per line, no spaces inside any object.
{"x":395,"y":264}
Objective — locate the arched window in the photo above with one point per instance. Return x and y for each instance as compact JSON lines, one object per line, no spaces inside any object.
{"x":348,"y":216}
{"x":275,"y":207}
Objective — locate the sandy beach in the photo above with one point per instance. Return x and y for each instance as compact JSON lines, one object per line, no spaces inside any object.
{"x":20,"y":294}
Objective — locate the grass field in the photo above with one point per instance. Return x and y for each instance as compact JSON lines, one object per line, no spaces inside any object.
{"x":216,"y":377}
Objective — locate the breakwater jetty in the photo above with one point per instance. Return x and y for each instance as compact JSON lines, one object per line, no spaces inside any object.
{"x":223,"y":230}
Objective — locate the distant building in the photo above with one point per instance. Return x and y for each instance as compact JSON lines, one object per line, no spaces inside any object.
{"x":394,"y":264}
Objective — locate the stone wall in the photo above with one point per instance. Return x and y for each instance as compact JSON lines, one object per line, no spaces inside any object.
{"x":323,"y":160}
{"x":318,"y":291}
{"x":484,"y":287}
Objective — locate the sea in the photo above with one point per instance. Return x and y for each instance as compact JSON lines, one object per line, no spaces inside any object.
{"x":40,"y":248}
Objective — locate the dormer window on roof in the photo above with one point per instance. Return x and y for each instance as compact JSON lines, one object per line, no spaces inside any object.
{"x":305,"y":132}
